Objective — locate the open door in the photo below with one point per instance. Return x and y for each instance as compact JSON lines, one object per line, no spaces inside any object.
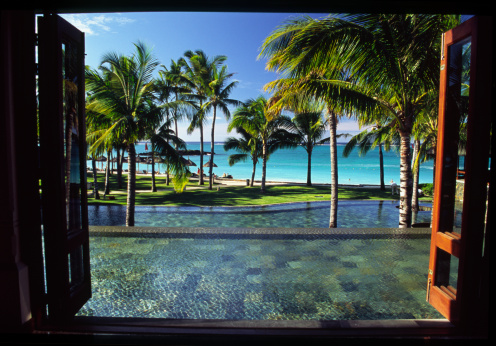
{"x":458,"y":265}
{"x":63,"y":166}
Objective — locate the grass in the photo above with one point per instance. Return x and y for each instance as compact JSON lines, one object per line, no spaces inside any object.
{"x":226,"y":195}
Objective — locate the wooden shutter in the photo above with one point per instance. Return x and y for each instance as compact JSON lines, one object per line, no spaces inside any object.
{"x":63,"y":166}
{"x":458,"y":262}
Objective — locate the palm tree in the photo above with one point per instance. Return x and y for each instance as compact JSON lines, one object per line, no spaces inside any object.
{"x":289,"y":94}
{"x":377,"y":136}
{"x":246,"y":145}
{"x":197,"y":77}
{"x":218,"y":97}
{"x":310,"y":127}
{"x":272,"y":129}
{"x":160,"y":145}
{"x":173,"y":82}
{"x":392,"y":60}
{"x":122,"y":92}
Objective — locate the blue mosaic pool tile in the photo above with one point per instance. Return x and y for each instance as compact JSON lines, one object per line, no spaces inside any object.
{"x":356,"y":278}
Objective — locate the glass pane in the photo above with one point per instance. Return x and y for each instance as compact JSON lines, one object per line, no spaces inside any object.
{"x":71,"y":136}
{"x":457,"y":104}
{"x":447,"y":270}
{"x":76,"y":268}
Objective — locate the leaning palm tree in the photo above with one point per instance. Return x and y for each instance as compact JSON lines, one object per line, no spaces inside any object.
{"x":393,"y":60}
{"x":272,"y":129}
{"x":197,"y":77}
{"x":247,"y":146}
{"x":121,"y":92}
{"x":218,"y":97}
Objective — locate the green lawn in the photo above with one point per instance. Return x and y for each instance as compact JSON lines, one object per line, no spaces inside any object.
{"x":226,"y":195}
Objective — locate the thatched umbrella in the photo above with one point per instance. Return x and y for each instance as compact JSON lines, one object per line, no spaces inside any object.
{"x":188,"y":162}
{"x":101,"y":159}
{"x":208,"y":164}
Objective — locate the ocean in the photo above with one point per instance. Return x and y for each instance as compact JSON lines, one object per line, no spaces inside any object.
{"x":290,"y":165}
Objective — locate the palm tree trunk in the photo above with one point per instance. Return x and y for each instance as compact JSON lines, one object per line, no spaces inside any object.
{"x":210,"y":169}
{"x":175,"y":121}
{"x":154,"y":187}
{"x":264,"y":166}
{"x":95,"y":179}
{"x":107,"y":176}
{"x":309,"y":165}
{"x":381,"y":167}
{"x":119,"y":169}
{"x":253,"y":172}
{"x":333,"y":219}
{"x":405,"y":218}
{"x":167,"y":176}
{"x":415,"y":174}
{"x":131,"y":185}
{"x":200,"y":180}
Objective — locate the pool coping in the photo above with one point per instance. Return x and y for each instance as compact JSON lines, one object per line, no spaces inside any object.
{"x":246,"y":231}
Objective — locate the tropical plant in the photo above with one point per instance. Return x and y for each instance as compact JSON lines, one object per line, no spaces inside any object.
{"x":271,"y":129}
{"x":310,"y":127}
{"x":289,"y":94}
{"x":197,"y":77}
{"x":392,"y":61}
{"x":377,"y":136}
{"x":246,"y":145}
{"x":172,"y":82}
{"x":122,"y":92}
{"x":160,"y":141}
{"x":218,"y":97}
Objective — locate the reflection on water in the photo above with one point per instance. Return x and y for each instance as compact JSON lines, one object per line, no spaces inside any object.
{"x":359,"y":214}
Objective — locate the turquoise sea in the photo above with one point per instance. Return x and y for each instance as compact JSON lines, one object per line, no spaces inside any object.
{"x":290,"y":165}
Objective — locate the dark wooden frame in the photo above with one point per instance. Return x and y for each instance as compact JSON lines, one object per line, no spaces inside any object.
{"x":63,"y":299}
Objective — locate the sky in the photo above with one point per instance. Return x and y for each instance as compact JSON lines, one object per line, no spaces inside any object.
{"x":239,"y":36}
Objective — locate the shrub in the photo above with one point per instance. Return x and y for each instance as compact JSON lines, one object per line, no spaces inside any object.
{"x":427,"y":189}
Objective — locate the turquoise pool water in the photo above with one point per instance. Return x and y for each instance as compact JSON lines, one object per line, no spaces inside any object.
{"x":349,"y":274}
{"x":300,"y":271}
{"x":365,"y":214}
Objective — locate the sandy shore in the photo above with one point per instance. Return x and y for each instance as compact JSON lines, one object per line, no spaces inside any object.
{"x":242,"y":182}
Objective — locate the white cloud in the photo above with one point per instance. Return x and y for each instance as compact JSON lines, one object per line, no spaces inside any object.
{"x":98,"y":23}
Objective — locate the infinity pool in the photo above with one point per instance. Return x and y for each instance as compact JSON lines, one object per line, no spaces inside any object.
{"x":366,"y":214}
{"x":313,"y":274}
{"x":259,"y":263}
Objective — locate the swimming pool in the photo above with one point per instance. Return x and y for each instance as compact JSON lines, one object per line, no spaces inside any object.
{"x":351,"y":213}
{"x":320,"y":274}
{"x":257,"y":263}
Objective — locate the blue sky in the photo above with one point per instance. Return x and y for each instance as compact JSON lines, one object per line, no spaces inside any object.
{"x":236,"y":35}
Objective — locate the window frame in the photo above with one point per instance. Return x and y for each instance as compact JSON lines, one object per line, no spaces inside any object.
{"x":255,"y":330}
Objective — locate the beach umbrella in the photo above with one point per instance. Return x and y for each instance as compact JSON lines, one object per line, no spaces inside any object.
{"x":145,"y":154}
{"x":208,"y":164}
{"x":187,"y":162}
{"x":101,"y":159}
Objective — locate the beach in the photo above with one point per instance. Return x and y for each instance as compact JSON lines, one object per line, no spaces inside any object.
{"x":290,"y":166}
